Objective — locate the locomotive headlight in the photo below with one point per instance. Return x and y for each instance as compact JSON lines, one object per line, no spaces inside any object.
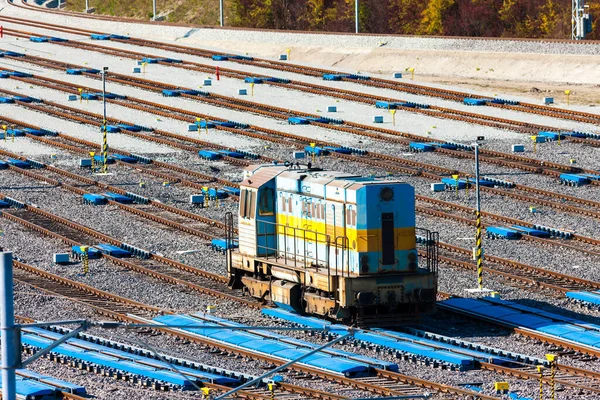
{"x":386,"y":194}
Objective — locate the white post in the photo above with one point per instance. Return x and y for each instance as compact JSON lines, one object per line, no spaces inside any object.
{"x":221,"y":12}
{"x":7,"y":325}
{"x":87,"y":5}
{"x":356,"y":14}
{"x":153,"y":10}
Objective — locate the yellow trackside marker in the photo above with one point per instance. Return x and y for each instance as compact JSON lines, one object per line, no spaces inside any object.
{"x":205,"y":392}
{"x":412,"y":73}
{"x":312,"y":145}
{"x":272,"y":390}
{"x":501,"y":387}
{"x":455,"y":177}
{"x":80,"y":90}
{"x":534,"y":138}
{"x":393,"y":112}
{"x":252,"y":89}
{"x":288,"y":52}
{"x":568,"y":93}
{"x":92,"y":154}
{"x":198,"y":119}
{"x":85,"y":259}
{"x":144,"y":67}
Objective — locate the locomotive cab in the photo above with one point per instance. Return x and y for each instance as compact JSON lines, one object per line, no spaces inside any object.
{"x":331,"y":244}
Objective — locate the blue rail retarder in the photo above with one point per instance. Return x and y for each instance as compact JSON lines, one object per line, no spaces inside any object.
{"x":122,"y":361}
{"x":18,"y":163}
{"x":57,"y":383}
{"x":496,"y":232}
{"x":305,"y":344}
{"x":93,"y":253}
{"x":516,"y":315}
{"x":30,"y":385}
{"x":272,"y":347}
{"x":118,"y":198}
{"x":112,"y":250}
{"x":393,"y":341}
{"x":585,"y":297}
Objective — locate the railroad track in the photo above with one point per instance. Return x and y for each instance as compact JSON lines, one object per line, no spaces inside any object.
{"x":392,"y":163}
{"x":156,"y":266}
{"x":114,"y":307}
{"x":531,"y":276}
{"x":374,"y":82}
{"x":528,"y":275}
{"x":383,"y":379}
{"x":507,"y":269}
{"x":524,"y":275}
{"x":463,"y":214}
{"x":434,"y":111}
{"x":126,"y":310}
{"x":488,"y":156}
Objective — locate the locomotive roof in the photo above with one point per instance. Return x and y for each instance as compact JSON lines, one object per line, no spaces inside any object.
{"x":260,"y":174}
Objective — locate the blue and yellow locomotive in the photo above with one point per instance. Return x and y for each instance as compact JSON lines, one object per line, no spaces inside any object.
{"x":332,"y":244}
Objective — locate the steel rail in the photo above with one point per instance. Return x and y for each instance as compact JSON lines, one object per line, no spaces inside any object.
{"x":534,"y":168}
{"x":64,"y":287}
{"x":123,"y":263}
{"x":494,"y":157}
{"x":375,"y":82}
{"x":462,"y":116}
{"x":420,"y":166}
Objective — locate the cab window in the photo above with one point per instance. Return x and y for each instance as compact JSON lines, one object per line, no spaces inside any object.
{"x":247,"y":203}
{"x":266,"y":201}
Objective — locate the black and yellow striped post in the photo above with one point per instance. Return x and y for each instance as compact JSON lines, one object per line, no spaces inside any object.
{"x":552,"y":359}
{"x":478,"y":250}
{"x":272,"y":390}
{"x":85,"y":260}
{"x":104,"y":151}
{"x":104,"y":138}
{"x":541,"y":372}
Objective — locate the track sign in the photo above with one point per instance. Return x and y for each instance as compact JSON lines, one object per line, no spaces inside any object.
{"x":480,"y":137}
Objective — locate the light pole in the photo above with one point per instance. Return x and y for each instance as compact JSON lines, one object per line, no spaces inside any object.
{"x":7,"y":325}
{"x":356,"y":14}
{"x":104,"y":138}
{"x":153,"y":10}
{"x":221,"y":12}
